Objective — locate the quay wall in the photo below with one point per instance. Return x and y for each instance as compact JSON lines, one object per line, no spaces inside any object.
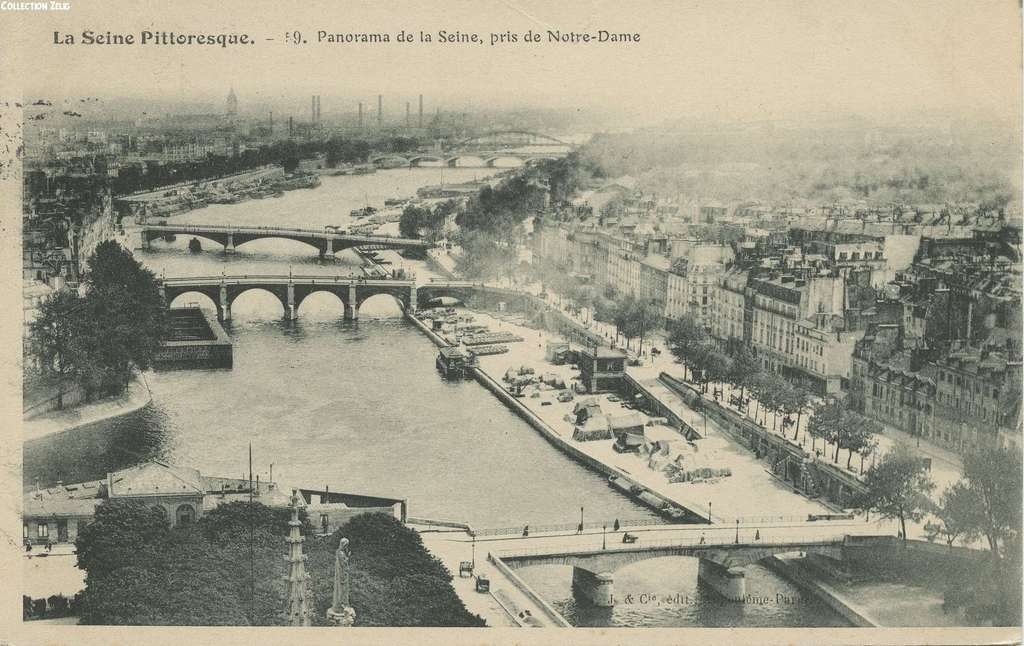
{"x":848,"y":610}
{"x":551,"y":613}
{"x":828,"y":480}
{"x":215,"y":352}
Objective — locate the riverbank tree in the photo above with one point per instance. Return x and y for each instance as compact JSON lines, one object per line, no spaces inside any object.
{"x":897,"y":487}
{"x":98,"y":338}
{"x":986,"y":502}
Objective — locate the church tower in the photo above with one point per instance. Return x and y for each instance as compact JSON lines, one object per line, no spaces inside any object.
{"x":232,"y":107}
{"x":297,"y":602}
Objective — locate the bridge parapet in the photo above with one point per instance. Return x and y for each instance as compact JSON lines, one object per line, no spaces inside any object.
{"x":726,"y":553}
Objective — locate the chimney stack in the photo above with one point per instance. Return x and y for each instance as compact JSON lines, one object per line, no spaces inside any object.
{"x":421,"y":111}
{"x":380,"y":110}
{"x":360,"y":114}
{"x":312,"y":109}
{"x":408,"y":119}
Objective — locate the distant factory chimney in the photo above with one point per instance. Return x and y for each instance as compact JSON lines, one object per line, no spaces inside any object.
{"x":360,"y":114}
{"x":421,"y":111}
{"x":408,"y":118}
{"x":312,"y":109}
{"x":291,"y":126}
{"x":380,"y":110}
{"x":271,"y":122}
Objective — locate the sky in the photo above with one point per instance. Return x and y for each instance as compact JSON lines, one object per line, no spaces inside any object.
{"x":727,"y":59}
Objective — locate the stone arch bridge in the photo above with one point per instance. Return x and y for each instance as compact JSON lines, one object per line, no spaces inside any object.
{"x":352,"y":292}
{"x":721,"y":561}
{"x":326,"y":242}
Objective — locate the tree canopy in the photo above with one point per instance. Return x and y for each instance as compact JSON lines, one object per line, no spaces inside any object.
{"x":897,"y":486}
{"x":142,"y":572}
{"x":98,"y":338}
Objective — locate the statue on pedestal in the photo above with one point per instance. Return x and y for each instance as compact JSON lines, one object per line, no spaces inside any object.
{"x":340,"y":612}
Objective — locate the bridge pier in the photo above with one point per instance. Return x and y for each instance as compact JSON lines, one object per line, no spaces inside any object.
{"x":225,"y":305}
{"x":598,"y":588}
{"x":412,"y":299}
{"x":230,"y":246}
{"x":351,"y":307}
{"x":143,"y":239}
{"x":289,"y":309}
{"x":730,"y":582}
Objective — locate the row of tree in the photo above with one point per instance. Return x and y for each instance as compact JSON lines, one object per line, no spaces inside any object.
{"x":832,"y":421}
{"x":97,"y":338}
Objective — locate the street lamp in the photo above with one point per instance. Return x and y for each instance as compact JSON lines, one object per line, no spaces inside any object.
{"x":604,"y":530}
{"x":709,"y":512}
{"x":737,"y":531}
{"x":474,"y":551}
{"x":581,"y":520}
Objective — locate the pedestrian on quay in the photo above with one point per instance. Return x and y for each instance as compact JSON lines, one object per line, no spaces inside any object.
{"x":49,"y":545}
{"x":702,"y":539}
{"x":615,"y":527}
{"x":579,"y":528}
{"x":526,"y":531}
{"x":757,"y":535}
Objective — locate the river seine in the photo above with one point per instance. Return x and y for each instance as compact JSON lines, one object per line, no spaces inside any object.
{"x":360,"y":407}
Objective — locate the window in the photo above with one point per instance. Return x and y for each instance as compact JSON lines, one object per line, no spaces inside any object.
{"x":43,"y":530}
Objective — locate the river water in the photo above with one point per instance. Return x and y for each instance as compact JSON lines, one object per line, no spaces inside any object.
{"x":359,"y":406}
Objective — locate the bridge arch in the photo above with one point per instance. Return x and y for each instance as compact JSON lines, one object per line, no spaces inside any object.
{"x":504,"y":161}
{"x":398,"y":296}
{"x":422,"y":160}
{"x":217,"y":240}
{"x":390,"y":160}
{"x":240,"y":240}
{"x":466,"y":161}
{"x":320,"y":303}
{"x":264,"y":297}
{"x":193,"y":298}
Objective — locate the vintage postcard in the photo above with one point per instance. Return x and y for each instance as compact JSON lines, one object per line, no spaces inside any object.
{"x":383,"y":322}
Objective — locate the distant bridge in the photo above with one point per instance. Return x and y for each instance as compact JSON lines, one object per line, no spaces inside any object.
{"x":496,"y":149}
{"x":511,"y":139}
{"x":292,"y":290}
{"x":464,"y":159}
{"x":325,"y":242}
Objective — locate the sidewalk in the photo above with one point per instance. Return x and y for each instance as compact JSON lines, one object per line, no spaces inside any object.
{"x":137,"y":396}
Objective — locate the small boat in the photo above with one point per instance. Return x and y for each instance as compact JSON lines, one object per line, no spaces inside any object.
{"x":623,"y":484}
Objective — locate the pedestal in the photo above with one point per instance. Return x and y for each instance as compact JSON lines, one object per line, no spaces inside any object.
{"x":347,"y":617}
